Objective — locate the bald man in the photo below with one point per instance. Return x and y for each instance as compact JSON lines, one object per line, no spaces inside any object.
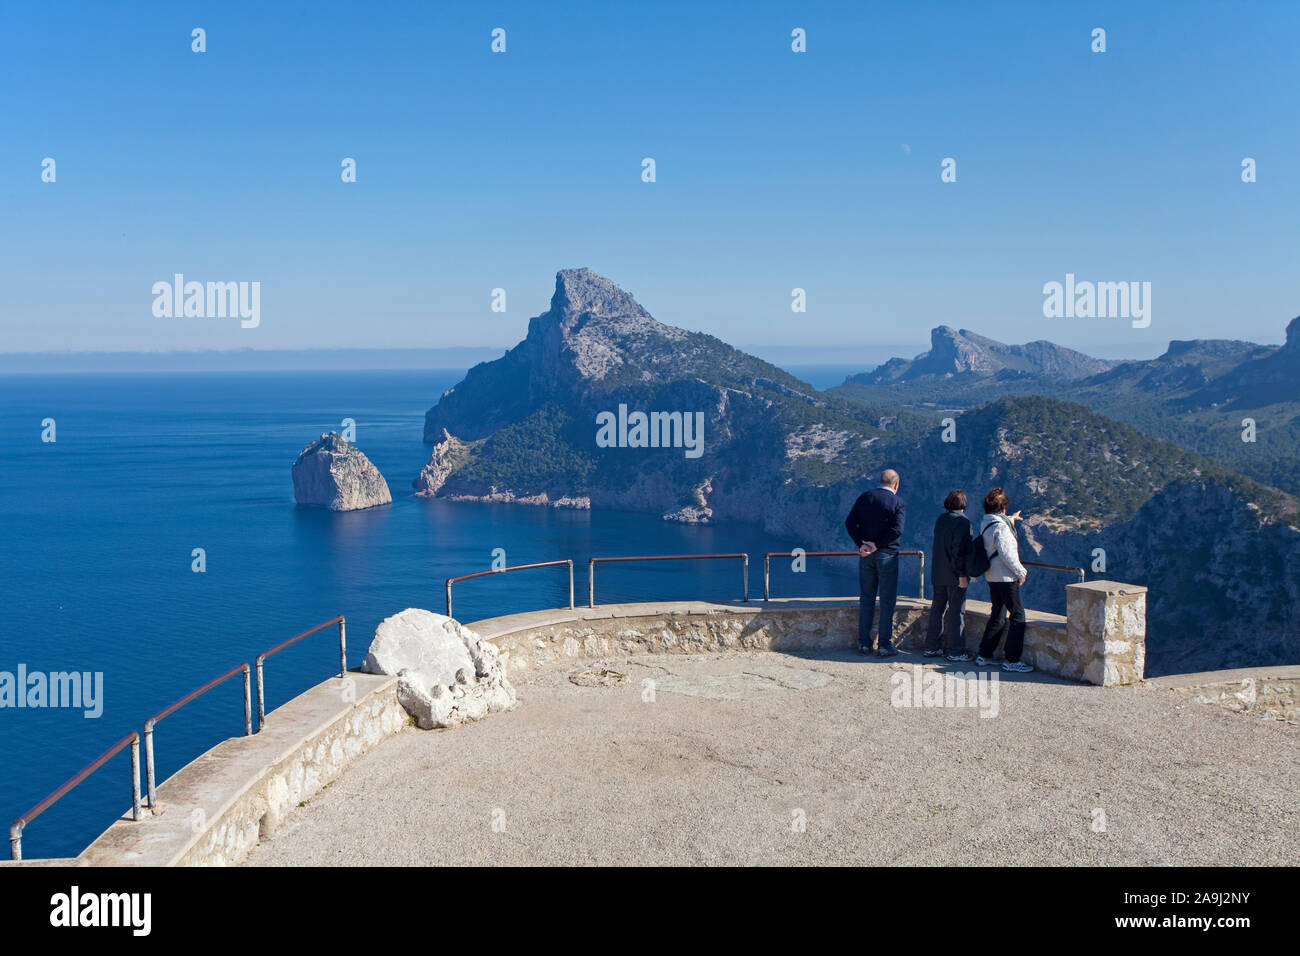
{"x":875,"y":524}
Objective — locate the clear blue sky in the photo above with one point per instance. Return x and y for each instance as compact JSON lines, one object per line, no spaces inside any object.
{"x":775,"y":169}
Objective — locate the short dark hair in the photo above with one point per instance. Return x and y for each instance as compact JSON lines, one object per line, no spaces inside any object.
{"x":956,"y":500}
{"x":995,"y":502}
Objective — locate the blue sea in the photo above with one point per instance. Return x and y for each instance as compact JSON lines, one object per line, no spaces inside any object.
{"x":97,"y":530}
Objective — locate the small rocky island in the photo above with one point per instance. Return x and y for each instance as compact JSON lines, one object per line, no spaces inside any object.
{"x":331,"y":473}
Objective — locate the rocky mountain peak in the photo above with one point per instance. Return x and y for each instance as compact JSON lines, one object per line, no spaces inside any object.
{"x":958,"y":351}
{"x":582,"y":292}
{"x":595,"y":340}
{"x":954,"y":351}
{"x":1293,"y":334}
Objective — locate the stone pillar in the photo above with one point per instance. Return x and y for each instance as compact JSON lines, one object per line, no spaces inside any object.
{"x":1106,"y":628}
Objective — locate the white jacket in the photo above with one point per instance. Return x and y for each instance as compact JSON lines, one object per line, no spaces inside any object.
{"x":999,"y":536}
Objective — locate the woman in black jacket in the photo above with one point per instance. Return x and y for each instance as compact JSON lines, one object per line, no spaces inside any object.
{"x":952,"y":543}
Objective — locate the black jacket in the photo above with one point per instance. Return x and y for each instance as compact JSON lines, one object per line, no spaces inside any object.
{"x":952,"y":543}
{"x":877,"y":516}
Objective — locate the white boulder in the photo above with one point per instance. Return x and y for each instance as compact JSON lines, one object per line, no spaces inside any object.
{"x":448,"y":676}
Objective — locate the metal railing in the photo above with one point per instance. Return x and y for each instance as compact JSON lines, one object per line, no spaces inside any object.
{"x":1056,"y":567}
{"x":167,"y":711}
{"x":133,"y":739}
{"x":591,"y":568}
{"x":767,"y":565}
{"x":343,"y":660}
{"x":517,"y":567}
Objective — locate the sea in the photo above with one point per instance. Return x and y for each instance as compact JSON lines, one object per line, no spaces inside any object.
{"x":100,"y":531}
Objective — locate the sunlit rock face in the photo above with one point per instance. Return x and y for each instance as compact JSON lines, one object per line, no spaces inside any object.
{"x":330,"y":473}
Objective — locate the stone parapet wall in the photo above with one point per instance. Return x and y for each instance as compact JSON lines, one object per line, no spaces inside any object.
{"x":1270,"y":693}
{"x":217,"y":807}
{"x":1051,"y":644}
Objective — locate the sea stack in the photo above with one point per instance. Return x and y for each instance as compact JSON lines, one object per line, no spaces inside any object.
{"x":330,"y":473}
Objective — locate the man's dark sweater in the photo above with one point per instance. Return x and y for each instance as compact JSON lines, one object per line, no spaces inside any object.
{"x":877,"y":516}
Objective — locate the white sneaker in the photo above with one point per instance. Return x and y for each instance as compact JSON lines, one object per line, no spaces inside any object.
{"x":981,"y":661}
{"x":1017,"y":667}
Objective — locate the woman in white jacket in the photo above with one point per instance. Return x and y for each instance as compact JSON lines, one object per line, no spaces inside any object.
{"x":1005,"y":576}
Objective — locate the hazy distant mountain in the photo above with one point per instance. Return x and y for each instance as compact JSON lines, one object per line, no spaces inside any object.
{"x":1260,"y":379}
{"x":1186,"y":366}
{"x":954,"y":352}
{"x":245,"y":360}
{"x":1198,"y":394}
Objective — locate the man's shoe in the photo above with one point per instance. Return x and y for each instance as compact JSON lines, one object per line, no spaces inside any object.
{"x":1017,"y":667}
{"x":932,"y":653}
{"x":864,"y":650}
{"x":887,"y":652}
{"x":961,"y":658}
{"x":982,"y":661}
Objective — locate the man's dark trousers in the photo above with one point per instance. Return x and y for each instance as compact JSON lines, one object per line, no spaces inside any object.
{"x":946,"y":619}
{"x":877,"y":573}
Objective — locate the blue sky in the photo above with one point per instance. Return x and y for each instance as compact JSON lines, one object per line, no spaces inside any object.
{"x":775,"y":170}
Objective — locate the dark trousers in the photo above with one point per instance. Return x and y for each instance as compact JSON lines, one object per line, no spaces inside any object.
{"x":877,"y":574}
{"x":1007,"y":616}
{"x":946,"y":619}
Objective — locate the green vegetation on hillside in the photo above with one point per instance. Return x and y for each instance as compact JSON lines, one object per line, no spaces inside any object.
{"x":533,"y":454}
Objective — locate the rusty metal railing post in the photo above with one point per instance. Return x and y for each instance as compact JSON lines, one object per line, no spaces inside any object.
{"x":767,"y":577}
{"x":248,"y":706}
{"x":16,"y":841}
{"x":343,"y":648}
{"x":569,"y":562}
{"x":261,"y":694}
{"x":591,"y":582}
{"x":152,"y":789}
{"x":135,"y":779}
{"x":449,"y":597}
{"x":921,"y":555}
{"x":744,"y":595}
